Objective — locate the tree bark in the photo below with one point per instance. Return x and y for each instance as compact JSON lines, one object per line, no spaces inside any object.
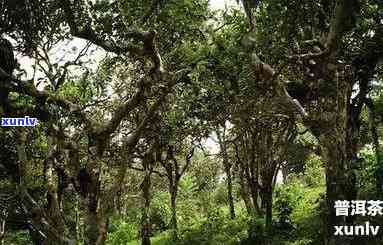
{"x":96,"y":221}
{"x":245,"y":194}
{"x":375,"y":140}
{"x":227,"y":167}
{"x":336,"y":132}
{"x":253,"y":169}
{"x":249,"y":187}
{"x":53,"y":208}
{"x":174,"y":173}
{"x":95,"y":226}
{"x":42,"y":225}
{"x":146,"y":226}
{"x":339,"y":185}
{"x":2,"y":231}
{"x":173,"y":205}
{"x":230,"y":193}
{"x":268,"y":200}
{"x":145,"y":187}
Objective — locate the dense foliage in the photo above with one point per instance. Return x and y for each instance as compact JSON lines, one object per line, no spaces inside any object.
{"x":168,"y":122}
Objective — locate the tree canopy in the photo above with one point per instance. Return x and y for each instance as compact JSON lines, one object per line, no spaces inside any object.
{"x":168,"y":122}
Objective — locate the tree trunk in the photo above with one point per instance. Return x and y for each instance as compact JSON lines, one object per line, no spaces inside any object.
{"x":96,"y":222}
{"x":75,"y":230}
{"x":339,"y":186}
{"x":95,"y":227}
{"x":42,"y":227}
{"x":334,"y":127}
{"x":53,"y":207}
{"x":244,"y":180}
{"x":245,"y":193}
{"x":230,"y":192}
{"x":268,"y":201}
{"x":227,"y":167}
{"x":2,"y":231}
{"x":145,"y":186}
{"x":173,"y":205}
{"x":375,"y":140}
{"x":252,"y":173}
{"x":146,"y":226}
{"x":35,"y":236}
{"x":254,"y":197}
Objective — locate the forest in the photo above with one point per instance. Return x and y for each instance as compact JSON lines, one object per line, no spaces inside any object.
{"x":191,"y":122}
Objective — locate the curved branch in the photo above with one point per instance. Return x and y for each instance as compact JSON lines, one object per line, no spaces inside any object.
{"x":147,"y":37}
{"x":27,"y":88}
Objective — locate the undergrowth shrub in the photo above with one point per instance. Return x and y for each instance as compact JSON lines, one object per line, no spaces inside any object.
{"x":217,"y":229}
{"x":121,"y":232}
